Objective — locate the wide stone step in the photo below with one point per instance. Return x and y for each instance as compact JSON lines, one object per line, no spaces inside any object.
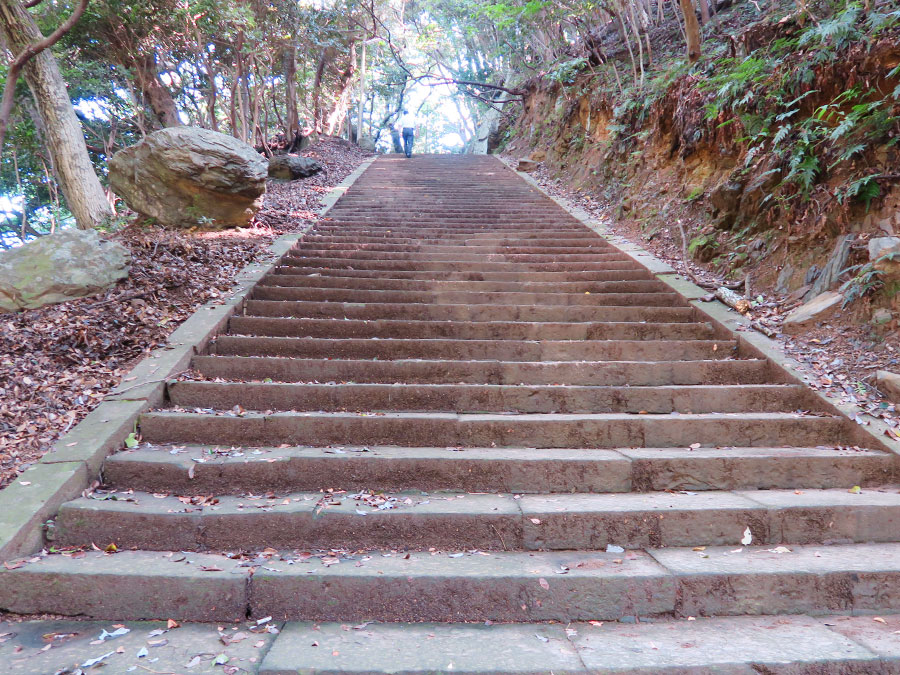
{"x":739,"y":646}
{"x":490,"y":398}
{"x":461,"y":255}
{"x":463,"y":521}
{"x":458,"y":266}
{"x":650,"y":299}
{"x":405,"y":329}
{"x":618,"y":286}
{"x":465,"y":586}
{"x":503,"y":350}
{"x":472,"y":313}
{"x":611,"y":430}
{"x":472,"y":274}
{"x":600,"y":373}
{"x":597,"y":246}
{"x":574,"y":243}
{"x":205,"y":470}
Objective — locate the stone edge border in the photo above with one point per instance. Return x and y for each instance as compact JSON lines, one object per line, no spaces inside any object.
{"x":872,"y":432}
{"x":75,"y":459}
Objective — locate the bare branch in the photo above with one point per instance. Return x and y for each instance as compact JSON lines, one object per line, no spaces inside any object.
{"x":32,"y":50}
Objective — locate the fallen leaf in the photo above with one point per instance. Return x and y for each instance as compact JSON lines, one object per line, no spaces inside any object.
{"x":543,"y":582}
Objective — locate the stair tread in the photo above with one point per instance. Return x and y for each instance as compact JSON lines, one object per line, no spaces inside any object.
{"x":744,"y":645}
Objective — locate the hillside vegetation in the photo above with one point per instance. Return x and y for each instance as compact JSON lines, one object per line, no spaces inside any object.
{"x":778,"y":141}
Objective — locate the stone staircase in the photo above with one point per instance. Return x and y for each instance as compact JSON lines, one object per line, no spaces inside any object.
{"x":453,"y":403}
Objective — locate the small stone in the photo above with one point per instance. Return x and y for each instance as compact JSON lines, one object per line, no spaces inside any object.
{"x":806,"y":315}
{"x":527,"y":165}
{"x":879,"y":248}
{"x":881,"y":317}
{"x":889,"y":384}
{"x":293,"y":167}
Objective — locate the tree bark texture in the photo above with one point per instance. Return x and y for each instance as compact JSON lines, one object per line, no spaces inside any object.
{"x":155,"y":93}
{"x":64,"y":137}
{"x":692,"y":30}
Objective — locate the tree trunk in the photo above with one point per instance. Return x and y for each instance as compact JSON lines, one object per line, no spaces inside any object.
{"x":292,"y":121}
{"x":155,"y":93}
{"x":692,"y":30}
{"x":704,"y":11}
{"x":65,"y":140}
{"x":317,"y":91}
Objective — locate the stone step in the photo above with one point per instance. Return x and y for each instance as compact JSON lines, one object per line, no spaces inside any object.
{"x":205,"y":470}
{"x":471,"y":313}
{"x":610,"y":430}
{"x":573,"y":244}
{"x":472,"y":274}
{"x":651,"y":299}
{"x":405,"y":329}
{"x":467,"y":586}
{"x":490,"y":398}
{"x":429,"y":255}
{"x":382,"y":284}
{"x":485,"y":521}
{"x":490,"y":350}
{"x":364,"y":236}
{"x":598,"y":373}
{"x":309,"y":246}
{"x":458,"y":266}
{"x":733,"y":645}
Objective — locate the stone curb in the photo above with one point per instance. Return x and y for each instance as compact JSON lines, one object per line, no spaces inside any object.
{"x":872,"y":433}
{"x":75,"y":460}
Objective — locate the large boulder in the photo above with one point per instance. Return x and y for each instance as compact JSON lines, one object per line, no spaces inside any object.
{"x":292,"y":167}
{"x":187,"y":176}
{"x":69,"y":264}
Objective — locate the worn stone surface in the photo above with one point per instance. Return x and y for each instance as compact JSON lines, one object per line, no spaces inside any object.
{"x":31,"y":499}
{"x":292,"y":167}
{"x":466,"y":586}
{"x":784,"y":580}
{"x":733,"y":646}
{"x":44,"y":647}
{"x":69,"y":264}
{"x":889,"y":384}
{"x":808,"y":314}
{"x":142,"y":585}
{"x":187,"y":176}
{"x":422,"y":648}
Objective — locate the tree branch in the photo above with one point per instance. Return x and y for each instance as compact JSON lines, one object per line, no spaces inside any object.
{"x":32,"y":50}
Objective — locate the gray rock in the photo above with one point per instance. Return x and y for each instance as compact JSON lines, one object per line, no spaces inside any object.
{"x":881,"y":317}
{"x":889,"y":384}
{"x":69,"y":264}
{"x":879,"y":247}
{"x":528,"y":165}
{"x":292,"y":167}
{"x":837,"y":263}
{"x":724,"y":202}
{"x":187,"y":176}
{"x":818,"y":309}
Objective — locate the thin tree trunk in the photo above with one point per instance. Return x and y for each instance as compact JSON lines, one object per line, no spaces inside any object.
{"x":691,"y":29}
{"x":317,"y":91}
{"x":155,"y":93}
{"x":292,"y":123}
{"x":704,"y":11}
{"x":65,"y":140}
